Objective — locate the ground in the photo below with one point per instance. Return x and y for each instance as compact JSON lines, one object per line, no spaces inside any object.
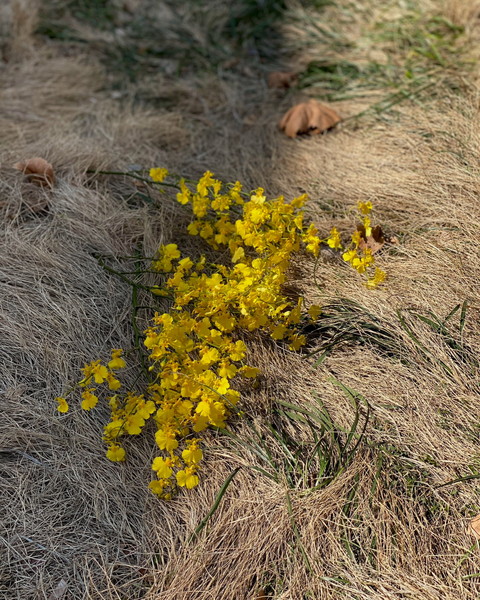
{"x":390,"y":376}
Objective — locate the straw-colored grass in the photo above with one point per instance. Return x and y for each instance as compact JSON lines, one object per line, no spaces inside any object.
{"x":86,"y":97}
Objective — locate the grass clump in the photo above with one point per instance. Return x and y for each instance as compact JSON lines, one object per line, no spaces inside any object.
{"x":303,"y":465}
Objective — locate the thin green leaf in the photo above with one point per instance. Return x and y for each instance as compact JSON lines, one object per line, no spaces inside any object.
{"x":215,"y":505}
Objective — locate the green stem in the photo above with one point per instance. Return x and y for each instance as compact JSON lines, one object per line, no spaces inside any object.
{"x":122,"y":276}
{"x":215,"y":505}
{"x":134,"y":176}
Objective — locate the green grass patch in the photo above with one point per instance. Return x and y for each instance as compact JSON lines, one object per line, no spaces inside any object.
{"x":415,"y":49}
{"x":311,"y":462}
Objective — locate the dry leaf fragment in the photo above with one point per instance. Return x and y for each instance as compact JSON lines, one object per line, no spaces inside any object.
{"x":475,"y":526}
{"x":310,"y":117}
{"x":281,"y":79}
{"x":37,"y":170}
{"x":373,"y":242}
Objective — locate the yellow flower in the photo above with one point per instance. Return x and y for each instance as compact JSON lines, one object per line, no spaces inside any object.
{"x":249,"y":371}
{"x":222,"y":386}
{"x":134,"y":423}
{"x":258,"y":197}
{"x":227,"y":369}
{"x":334,"y":240}
{"x":378,"y":278}
{"x":221,"y":203}
{"x":62,"y":405}
{"x":311,"y":240}
{"x":210,"y":357}
{"x":95,"y":369}
{"x":299,"y":201}
{"x":314,"y":311}
{"x":184,"y":195}
{"x":158,"y":291}
{"x":349,"y":255}
{"x":238,"y":350}
{"x":116,"y":453}
{"x":204,"y":407}
{"x":368,"y":226}
{"x":356,"y":238}
{"x":194,"y":227}
{"x":192,"y":352}
{"x":192,"y":454}
{"x":145,"y":409}
{"x":297,"y":341}
{"x":113,"y":383}
{"x":187,"y":478}
{"x":166,"y":440}
{"x":158,"y":174}
{"x":279,"y":332}
{"x":200,"y":422}
{"x":365,"y":207}
{"x":113,"y":429}
{"x":170,"y":251}
{"x":238,"y":254}
{"x":158,"y":486}
{"x":163,"y":467}
{"x":117,"y":362}
{"x":89,"y":399}
{"x":235,"y":193}
{"x":359,"y":264}
{"x":207,"y":181}
{"x":186,"y":263}
{"x":224,"y":321}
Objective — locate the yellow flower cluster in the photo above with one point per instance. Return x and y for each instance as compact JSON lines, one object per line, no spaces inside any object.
{"x":195,"y":350}
{"x":158,"y":174}
{"x":359,"y":255}
{"x":96,"y":373}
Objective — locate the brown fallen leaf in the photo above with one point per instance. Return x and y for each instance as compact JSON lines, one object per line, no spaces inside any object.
{"x":373,"y":242}
{"x":310,"y":117}
{"x":281,"y":79}
{"x":37,"y":170}
{"x":475,"y":526}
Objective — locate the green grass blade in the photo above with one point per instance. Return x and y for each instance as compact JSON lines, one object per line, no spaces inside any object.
{"x":463,"y":316}
{"x":215,"y":505}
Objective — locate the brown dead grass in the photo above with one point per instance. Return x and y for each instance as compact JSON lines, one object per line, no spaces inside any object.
{"x":383,"y":530}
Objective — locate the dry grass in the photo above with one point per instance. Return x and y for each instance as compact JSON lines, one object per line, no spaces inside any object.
{"x":383,"y":529}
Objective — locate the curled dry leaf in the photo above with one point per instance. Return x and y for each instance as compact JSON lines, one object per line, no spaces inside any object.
{"x":310,"y":117}
{"x":281,"y":79}
{"x":373,"y":242}
{"x":37,"y":170}
{"x":376,"y":240}
{"x":475,"y":526}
